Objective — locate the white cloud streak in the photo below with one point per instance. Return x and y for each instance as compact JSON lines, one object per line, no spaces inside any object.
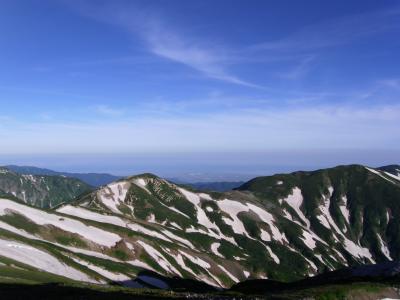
{"x":312,"y":128}
{"x":109,"y":111}
{"x":170,"y":45}
{"x":392,"y":83}
{"x":163,"y":41}
{"x":336,"y":32}
{"x":300,"y":70}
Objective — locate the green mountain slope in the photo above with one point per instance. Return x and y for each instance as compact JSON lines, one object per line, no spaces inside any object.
{"x":41,"y":191}
{"x":93,"y":179}
{"x":281,"y":227}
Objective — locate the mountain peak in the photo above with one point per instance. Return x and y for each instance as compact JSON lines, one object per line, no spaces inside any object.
{"x":144,"y":176}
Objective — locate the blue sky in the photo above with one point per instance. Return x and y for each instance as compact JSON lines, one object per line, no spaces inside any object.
{"x":243,"y":84}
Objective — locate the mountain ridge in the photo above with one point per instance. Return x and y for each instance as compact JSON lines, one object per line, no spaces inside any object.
{"x":43,"y":191}
{"x":282,"y":227}
{"x":93,"y":179}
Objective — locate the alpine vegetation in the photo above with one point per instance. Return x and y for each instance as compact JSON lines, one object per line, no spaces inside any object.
{"x":43,"y":191}
{"x":283,"y":227}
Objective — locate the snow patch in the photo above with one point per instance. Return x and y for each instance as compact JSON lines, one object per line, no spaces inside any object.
{"x":149,"y":232}
{"x":356,"y":250}
{"x":40,"y":260}
{"x":308,"y":240}
{"x":196,"y":260}
{"x":327,"y":220}
{"x":202,"y":217}
{"x":206,"y":196}
{"x":151,"y":218}
{"x":140,"y":182}
{"x":229,"y":274}
{"x":345,"y":211}
{"x":384,"y":249}
{"x":177,"y":238}
{"x":159,"y":258}
{"x":175,"y":210}
{"x":176,"y":225}
{"x":181,"y":262}
{"x":40,"y":217}
{"x":107,"y":274}
{"x":113,"y":195}
{"x":90,"y":215}
{"x":379,"y":174}
{"x":265,"y":236}
{"x":295,"y":200}
{"x":214,"y":249}
{"x":393,"y":176}
{"x":140,"y":264}
{"x":273,"y":255}
{"x":233,"y":208}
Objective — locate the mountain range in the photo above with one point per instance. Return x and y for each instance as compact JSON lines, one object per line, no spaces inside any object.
{"x":99,"y":179}
{"x":93,"y":179}
{"x":44,"y":191}
{"x":144,"y":231}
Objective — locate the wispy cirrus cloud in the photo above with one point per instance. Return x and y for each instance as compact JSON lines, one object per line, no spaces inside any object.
{"x":173,"y":47}
{"x":109,"y":111}
{"x":299,"y":70}
{"x":392,"y":83}
{"x":165,"y":41}
{"x":335,"y":32}
{"x":5,"y":118}
{"x":169,"y":44}
{"x":303,"y":46}
{"x":298,"y":49}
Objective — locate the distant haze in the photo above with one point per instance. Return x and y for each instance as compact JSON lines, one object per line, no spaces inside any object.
{"x":205,"y":166}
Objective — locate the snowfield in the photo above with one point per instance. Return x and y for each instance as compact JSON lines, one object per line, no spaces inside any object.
{"x":40,"y":260}
{"x":90,"y":215}
{"x":295,"y":200}
{"x":103,"y":272}
{"x":40,"y":217}
{"x":113,"y":195}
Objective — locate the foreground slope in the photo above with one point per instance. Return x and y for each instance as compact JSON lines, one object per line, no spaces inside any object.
{"x":281,"y":227}
{"x":378,"y":281}
{"x":43,"y":191}
{"x":296,"y":224}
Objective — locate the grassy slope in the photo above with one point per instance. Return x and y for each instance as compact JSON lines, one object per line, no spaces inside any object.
{"x":364,"y":191}
{"x":42,"y":191}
